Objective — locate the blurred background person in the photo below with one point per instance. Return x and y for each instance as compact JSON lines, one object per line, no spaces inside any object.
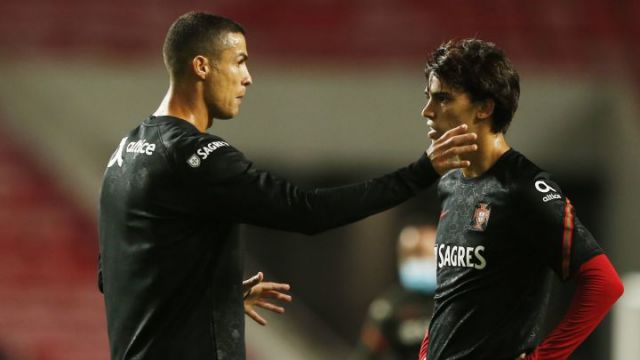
{"x":396,"y":319}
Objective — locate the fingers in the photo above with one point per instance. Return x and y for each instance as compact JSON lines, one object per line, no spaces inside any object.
{"x":454,"y":137}
{"x":443,"y":144}
{"x":254,"y":280}
{"x":278,"y":295}
{"x":444,"y":152}
{"x":270,"y":307}
{"x":256,"y":317}
{"x":456,"y":164}
{"x":267,"y":286}
{"x":257,"y":291}
{"x":458,"y":130}
{"x":247,"y":285}
{"x":522,"y":356}
{"x":272,"y":290}
{"x":459,"y":150}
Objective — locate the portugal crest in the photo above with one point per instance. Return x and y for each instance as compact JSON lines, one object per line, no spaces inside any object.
{"x":481,"y":217}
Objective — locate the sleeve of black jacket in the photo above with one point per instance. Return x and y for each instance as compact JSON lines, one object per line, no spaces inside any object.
{"x":227,"y":180}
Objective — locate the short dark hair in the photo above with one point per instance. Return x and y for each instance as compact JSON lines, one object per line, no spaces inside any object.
{"x":192,"y":34}
{"x":481,"y":70}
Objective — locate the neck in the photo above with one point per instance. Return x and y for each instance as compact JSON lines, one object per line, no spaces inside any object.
{"x":184,"y":103}
{"x":491,"y":147}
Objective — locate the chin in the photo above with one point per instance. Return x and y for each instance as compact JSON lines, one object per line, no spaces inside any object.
{"x":224,"y":115}
{"x":222,"y":110}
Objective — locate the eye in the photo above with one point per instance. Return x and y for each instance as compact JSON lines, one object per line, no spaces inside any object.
{"x":440,"y":97}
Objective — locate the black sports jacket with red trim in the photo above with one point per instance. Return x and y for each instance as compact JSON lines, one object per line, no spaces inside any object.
{"x":499,"y":236}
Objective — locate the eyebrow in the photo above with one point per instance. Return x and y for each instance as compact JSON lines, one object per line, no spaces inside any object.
{"x":437,"y":93}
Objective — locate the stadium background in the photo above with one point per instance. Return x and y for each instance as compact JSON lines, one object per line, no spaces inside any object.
{"x":337,"y":94}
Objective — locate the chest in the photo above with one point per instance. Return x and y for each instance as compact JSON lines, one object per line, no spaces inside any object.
{"x":478,"y":221}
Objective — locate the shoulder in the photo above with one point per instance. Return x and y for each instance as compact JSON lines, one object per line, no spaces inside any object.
{"x":203,"y":146}
{"x":211,"y":155}
{"x":515,"y":168}
{"x":178,"y":135}
{"x":532,"y":183}
{"x":195,"y":153}
{"x":183,"y":142}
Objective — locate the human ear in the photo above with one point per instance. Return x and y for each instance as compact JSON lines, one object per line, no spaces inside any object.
{"x":485,"y":109}
{"x":200,"y":66}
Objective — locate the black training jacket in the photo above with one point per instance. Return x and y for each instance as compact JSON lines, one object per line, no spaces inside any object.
{"x":170,"y":267}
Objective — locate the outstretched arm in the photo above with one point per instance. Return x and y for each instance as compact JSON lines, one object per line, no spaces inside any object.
{"x":260,"y":198}
{"x":258,"y":293}
{"x":598,"y":288}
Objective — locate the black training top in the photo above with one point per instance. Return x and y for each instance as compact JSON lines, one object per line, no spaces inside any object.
{"x":171,"y":269}
{"x":498,"y":236}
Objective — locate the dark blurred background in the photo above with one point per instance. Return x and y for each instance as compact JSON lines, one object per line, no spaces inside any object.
{"x":338,"y":89}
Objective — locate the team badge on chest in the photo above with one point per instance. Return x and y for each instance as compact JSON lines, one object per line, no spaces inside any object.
{"x":481,"y":217}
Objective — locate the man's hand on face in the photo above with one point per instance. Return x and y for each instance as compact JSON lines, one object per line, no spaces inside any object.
{"x":444,"y":151}
{"x":258,"y":293}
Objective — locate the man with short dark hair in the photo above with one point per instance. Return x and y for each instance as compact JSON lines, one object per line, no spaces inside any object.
{"x":504,"y":224}
{"x":171,"y":267}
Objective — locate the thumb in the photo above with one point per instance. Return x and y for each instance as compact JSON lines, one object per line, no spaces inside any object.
{"x":253,"y":281}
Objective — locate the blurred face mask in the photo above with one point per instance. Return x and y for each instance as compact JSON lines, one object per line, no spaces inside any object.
{"x":418,"y":274}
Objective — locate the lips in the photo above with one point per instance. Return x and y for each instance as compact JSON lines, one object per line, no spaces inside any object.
{"x":433,"y":132}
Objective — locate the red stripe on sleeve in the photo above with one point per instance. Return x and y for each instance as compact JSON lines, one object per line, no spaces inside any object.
{"x":567,"y":238}
{"x":598,"y":288}
{"x":424,"y":347}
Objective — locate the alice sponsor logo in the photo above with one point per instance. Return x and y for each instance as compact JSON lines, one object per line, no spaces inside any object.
{"x":141,"y":147}
{"x":543,"y":187}
{"x":550,"y":197}
{"x":116,"y":158}
{"x":460,"y":256}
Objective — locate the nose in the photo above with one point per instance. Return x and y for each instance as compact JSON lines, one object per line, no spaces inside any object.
{"x":427,"y":111}
{"x":247,"y":80}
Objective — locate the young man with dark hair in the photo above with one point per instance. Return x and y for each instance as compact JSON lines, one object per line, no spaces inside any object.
{"x":171,"y":267}
{"x":504,"y":224}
